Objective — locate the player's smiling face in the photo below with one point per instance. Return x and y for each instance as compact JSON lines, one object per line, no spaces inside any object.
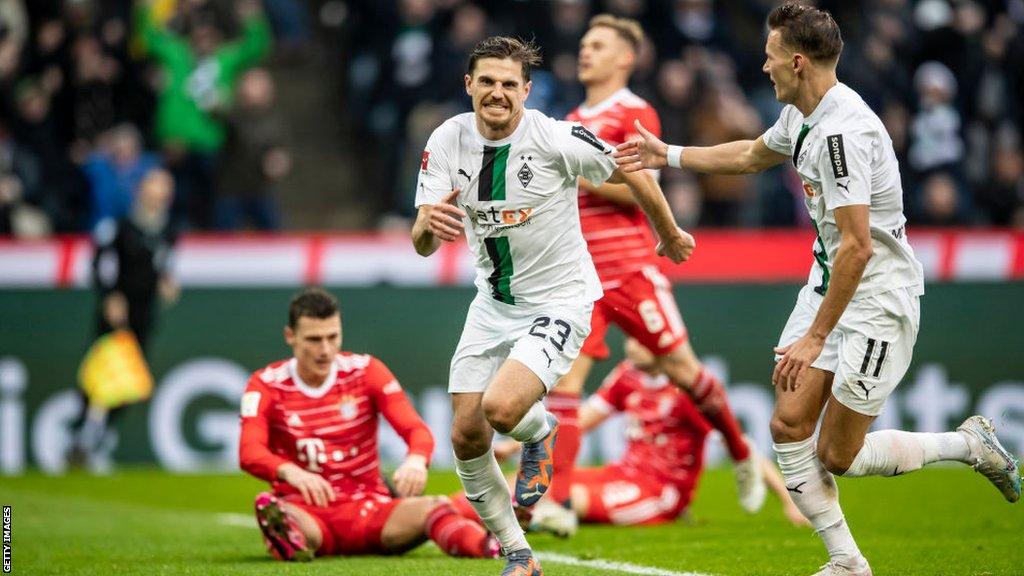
{"x":602,"y":53}
{"x":315,"y":342}
{"x":781,"y":67}
{"x":498,"y":91}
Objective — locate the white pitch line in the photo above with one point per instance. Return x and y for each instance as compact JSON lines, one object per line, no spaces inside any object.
{"x":613,"y":566}
{"x":246,"y":521}
{"x":237,"y":520}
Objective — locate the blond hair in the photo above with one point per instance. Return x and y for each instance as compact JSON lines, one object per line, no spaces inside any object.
{"x":627,"y":29}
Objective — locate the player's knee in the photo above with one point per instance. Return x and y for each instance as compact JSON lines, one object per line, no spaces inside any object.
{"x":787,"y":429}
{"x":502,"y":413}
{"x":469,"y":443}
{"x":834,"y":460}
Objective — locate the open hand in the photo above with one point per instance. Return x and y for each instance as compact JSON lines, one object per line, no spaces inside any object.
{"x":796,"y":359}
{"x":647,"y":152}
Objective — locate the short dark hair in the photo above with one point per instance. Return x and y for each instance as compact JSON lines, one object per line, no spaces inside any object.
{"x":808,"y":30}
{"x":627,"y":29}
{"x":312,"y":303}
{"x":506,"y":48}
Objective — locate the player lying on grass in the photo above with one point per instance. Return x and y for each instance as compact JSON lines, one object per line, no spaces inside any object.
{"x":657,"y":477}
{"x":309,"y":427}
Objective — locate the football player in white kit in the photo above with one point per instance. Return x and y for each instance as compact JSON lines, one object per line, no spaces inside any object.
{"x":851,"y":335}
{"x":507,"y":177}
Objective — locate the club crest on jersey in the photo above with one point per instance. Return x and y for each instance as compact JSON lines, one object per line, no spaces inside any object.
{"x":525,"y":175}
{"x":808,"y":190}
{"x":347,"y":408}
{"x":425,"y":161}
{"x":837,"y":156}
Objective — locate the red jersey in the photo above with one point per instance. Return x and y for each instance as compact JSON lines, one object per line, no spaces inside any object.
{"x":665,"y":431}
{"x":618,"y":237}
{"x":331,"y":429}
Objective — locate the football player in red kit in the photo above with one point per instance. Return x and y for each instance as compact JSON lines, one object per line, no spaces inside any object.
{"x":309,"y":427}
{"x":656,"y":478}
{"x":637,"y":297}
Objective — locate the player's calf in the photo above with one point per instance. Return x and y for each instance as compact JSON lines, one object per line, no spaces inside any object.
{"x":536,"y":466}
{"x":281,"y":533}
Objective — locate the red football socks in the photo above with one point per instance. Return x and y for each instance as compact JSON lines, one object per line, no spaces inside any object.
{"x":709,"y":396}
{"x":454,"y":534}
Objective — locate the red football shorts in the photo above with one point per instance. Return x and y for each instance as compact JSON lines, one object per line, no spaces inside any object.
{"x":624,"y":497}
{"x":644,"y":308}
{"x":352,"y":527}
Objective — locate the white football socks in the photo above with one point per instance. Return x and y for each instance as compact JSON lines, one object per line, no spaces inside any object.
{"x":487,"y":491}
{"x":894,"y":452}
{"x":815,"y":493}
{"x":534,"y":425}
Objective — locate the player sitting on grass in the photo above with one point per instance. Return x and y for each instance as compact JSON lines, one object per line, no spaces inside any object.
{"x":656,"y":478}
{"x":309,"y":427}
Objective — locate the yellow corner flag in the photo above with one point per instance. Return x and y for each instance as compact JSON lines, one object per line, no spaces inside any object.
{"x":114,"y":371}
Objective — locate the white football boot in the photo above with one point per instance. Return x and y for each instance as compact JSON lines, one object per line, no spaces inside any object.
{"x":554,"y":519}
{"x":989,"y":458}
{"x":750,"y":481}
{"x":833,"y":569}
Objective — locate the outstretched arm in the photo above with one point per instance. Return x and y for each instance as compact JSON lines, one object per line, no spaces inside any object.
{"x":738,"y":157}
{"x":674,"y":243}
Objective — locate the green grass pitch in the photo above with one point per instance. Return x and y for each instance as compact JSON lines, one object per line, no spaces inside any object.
{"x":936,"y":522}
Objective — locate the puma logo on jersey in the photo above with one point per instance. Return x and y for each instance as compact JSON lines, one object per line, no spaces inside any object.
{"x":843,"y":186}
{"x":478,"y":499}
{"x":294,"y":420}
{"x":464,"y":173}
{"x":545,"y":350}
{"x":797,"y":488}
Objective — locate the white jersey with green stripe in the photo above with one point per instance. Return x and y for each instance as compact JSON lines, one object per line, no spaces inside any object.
{"x":520,"y":198}
{"x":844,"y":156}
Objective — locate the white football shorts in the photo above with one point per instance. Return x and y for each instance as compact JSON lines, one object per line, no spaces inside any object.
{"x":870,"y":348}
{"x":547,"y":339}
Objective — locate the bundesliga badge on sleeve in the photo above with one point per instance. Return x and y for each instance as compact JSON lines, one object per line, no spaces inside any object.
{"x":114,"y":371}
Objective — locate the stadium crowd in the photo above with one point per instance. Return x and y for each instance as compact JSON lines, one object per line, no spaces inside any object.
{"x":95,"y":93}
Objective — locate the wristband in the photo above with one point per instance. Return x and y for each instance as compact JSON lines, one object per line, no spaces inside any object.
{"x":674,"y":157}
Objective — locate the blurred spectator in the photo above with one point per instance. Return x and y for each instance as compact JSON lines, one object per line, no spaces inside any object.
{"x":723,"y":115}
{"x":61,"y":193}
{"x":1002,"y":197}
{"x":938,"y":201}
{"x":257,"y":156}
{"x":19,"y":184}
{"x":115,"y":171}
{"x":131,"y":272}
{"x":13,"y":33}
{"x":935,"y":132}
{"x":200,"y":77}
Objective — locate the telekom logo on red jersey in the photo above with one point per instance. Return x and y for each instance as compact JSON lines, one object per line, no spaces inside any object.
{"x":313,"y":452}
